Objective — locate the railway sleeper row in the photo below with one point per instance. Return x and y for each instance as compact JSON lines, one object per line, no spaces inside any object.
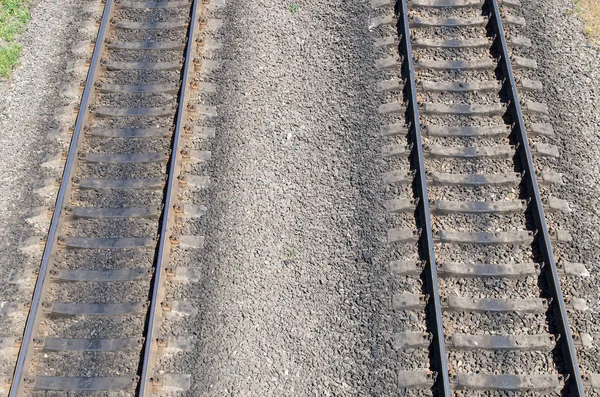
{"x":389,"y":15}
{"x":79,"y":121}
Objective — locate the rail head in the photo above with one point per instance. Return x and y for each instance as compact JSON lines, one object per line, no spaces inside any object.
{"x":168,"y":215}
{"x":443,"y":380}
{"x":543,"y":236}
{"x":35,"y":312}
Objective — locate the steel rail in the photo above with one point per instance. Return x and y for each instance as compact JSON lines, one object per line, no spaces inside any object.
{"x":543,"y":236}
{"x":168,"y":216}
{"x":35,"y":312}
{"x":443,"y":381}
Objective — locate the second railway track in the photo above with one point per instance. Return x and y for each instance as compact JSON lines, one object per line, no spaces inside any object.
{"x":96,"y":320}
{"x":478,"y":180}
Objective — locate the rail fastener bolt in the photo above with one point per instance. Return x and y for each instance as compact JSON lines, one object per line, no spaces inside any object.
{"x":170,"y":272}
{"x":156,"y":381}
{"x":38,"y":343}
{"x":161,"y":342}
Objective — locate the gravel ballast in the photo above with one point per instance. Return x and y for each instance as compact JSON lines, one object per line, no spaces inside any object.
{"x":295,"y":293}
{"x":27,"y":104}
{"x":569,"y":69}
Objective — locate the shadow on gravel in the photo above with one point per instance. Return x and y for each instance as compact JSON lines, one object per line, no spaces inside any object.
{"x":368,"y":280}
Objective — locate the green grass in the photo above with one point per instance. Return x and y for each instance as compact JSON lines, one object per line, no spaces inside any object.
{"x":294,"y":8}
{"x":9,"y":58}
{"x":13,"y":17}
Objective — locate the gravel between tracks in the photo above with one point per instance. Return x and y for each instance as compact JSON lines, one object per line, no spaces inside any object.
{"x":294,"y":280}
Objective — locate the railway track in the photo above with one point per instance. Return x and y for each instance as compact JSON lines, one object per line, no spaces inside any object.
{"x":478,"y":180}
{"x":96,"y":319}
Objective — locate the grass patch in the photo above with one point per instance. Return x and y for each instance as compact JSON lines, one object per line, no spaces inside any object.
{"x":13,"y":16}
{"x":9,"y":58}
{"x":589,"y":12}
{"x":294,"y":8}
